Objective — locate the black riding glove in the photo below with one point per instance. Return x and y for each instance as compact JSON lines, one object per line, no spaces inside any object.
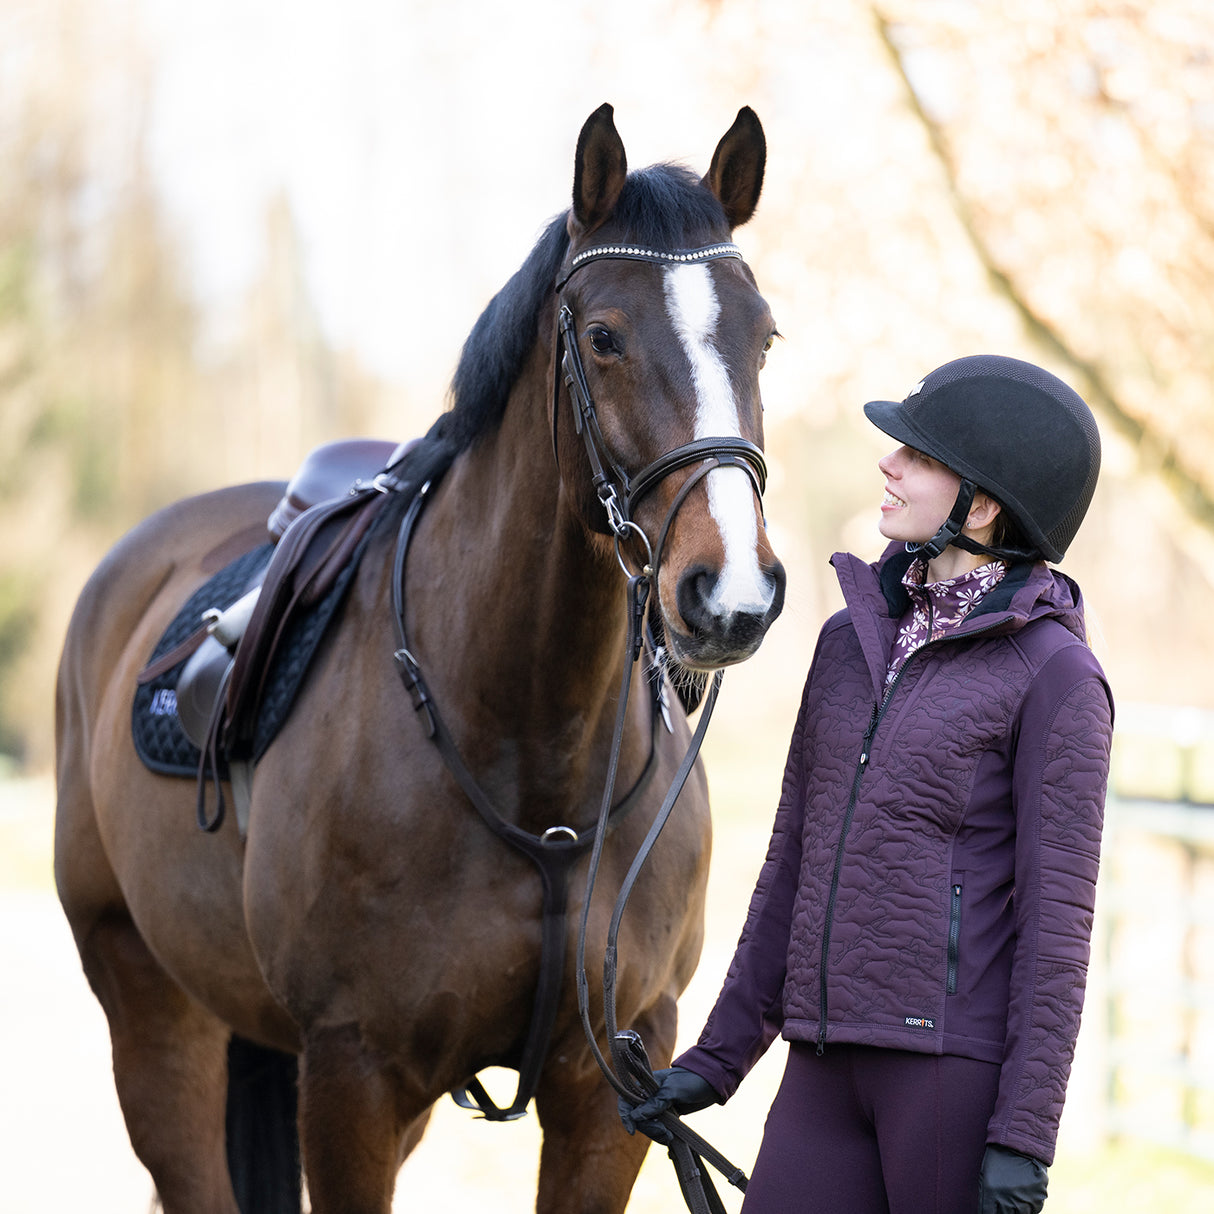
{"x":678,"y":1089}
{"x":1010,"y":1183}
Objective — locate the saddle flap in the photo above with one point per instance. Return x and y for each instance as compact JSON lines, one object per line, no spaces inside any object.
{"x":323,"y":543}
{"x":203,"y":681}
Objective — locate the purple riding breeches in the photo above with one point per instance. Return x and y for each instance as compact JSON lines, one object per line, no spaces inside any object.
{"x":864,"y":1130}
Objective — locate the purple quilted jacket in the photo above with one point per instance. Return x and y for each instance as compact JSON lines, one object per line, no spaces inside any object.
{"x":930,"y":880}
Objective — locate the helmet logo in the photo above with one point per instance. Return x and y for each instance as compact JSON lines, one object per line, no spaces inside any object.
{"x":916,"y":389}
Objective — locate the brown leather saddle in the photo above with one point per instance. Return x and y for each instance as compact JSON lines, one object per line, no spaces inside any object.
{"x":318,"y":529}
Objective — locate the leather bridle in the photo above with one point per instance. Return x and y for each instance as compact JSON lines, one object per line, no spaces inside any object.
{"x":619,"y":492}
{"x":629,"y":1071}
{"x":559,"y":848}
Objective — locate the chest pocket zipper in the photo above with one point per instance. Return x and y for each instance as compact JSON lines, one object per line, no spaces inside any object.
{"x":954,"y":937}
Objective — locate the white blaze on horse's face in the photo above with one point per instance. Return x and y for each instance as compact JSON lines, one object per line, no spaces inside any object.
{"x":691,"y":302}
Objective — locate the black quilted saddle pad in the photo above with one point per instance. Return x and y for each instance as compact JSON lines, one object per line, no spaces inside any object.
{"x":159,"y":739}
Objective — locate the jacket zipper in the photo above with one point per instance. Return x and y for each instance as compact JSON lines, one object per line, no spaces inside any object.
{"x":834,"y":880}
{"x":954,"y":938}
{"x":865,"y":753}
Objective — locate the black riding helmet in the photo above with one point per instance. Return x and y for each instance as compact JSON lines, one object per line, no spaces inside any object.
{"x":1012,"y":430}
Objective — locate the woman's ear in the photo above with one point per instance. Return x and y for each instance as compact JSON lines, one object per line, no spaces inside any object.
{"x":983,"y":512}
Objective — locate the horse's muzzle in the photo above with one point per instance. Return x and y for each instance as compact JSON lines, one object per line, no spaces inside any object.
{"x":712,"y":632}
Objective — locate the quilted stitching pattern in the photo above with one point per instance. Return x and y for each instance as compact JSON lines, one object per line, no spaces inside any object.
{"x":987,"y":775}
{"x":159,"y":739}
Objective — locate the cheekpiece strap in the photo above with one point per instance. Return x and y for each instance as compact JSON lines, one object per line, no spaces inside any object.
{"x":951,"y":527}
{"x":627,"y":252}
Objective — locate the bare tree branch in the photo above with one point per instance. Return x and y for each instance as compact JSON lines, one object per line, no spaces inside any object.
{"x":1156,"y":455}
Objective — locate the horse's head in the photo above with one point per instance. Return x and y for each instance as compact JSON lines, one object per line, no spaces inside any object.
{"x":657,"y":415}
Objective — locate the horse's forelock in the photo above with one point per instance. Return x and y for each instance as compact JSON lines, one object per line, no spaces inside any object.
{"x":666,"y":207}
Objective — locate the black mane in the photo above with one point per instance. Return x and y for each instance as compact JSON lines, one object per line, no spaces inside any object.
{"x":495,"y":350}
{"x":665,"y":207}
{"x":662,"y":207}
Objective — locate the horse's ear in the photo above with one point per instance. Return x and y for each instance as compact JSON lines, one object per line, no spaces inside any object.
{"x":736,"y":173}
{"x":598,"y":172}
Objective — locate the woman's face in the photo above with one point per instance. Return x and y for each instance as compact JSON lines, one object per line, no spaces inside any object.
{"x":919,"y":495}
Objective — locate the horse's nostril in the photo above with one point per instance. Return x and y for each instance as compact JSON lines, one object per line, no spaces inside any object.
{"x":693,"y":595}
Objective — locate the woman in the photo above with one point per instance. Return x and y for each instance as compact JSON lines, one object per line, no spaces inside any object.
{"x":920,"y":928}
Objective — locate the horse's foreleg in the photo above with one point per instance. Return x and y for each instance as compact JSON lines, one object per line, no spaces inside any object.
{"x":170,"y":1069}
{"x":589,"y":1163}
{"x":352,"y":1129}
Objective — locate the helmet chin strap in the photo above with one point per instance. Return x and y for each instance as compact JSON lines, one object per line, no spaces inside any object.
{"x":952,"y":525}
{"x":999,"y":553}
{"x":950,"y":533}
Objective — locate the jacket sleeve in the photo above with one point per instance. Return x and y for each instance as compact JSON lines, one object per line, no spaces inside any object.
{"x":748,"y":1012}
{"x":1061,"y":761}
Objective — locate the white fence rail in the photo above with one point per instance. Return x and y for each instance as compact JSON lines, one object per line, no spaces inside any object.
{"x":1155,"y":931}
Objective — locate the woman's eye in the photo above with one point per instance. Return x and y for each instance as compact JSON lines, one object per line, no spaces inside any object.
{"x":601,"y":340}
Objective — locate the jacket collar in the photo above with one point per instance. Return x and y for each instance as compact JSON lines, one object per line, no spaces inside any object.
{"x":876,"y":601}
{"x":891,"y":570}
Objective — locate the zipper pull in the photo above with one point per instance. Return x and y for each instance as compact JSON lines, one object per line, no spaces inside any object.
{"x":868,"y":736}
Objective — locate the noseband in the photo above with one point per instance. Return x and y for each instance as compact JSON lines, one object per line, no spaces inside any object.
{"x":618,"y":491}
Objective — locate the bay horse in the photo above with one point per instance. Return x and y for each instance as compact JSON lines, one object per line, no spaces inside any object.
{"x":367,"y":923}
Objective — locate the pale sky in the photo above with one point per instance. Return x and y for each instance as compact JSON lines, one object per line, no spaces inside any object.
{"x":421,"y":142}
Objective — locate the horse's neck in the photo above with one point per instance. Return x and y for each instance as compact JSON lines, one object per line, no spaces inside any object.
{"x":520,"y":614}
{"x":537,"y":587}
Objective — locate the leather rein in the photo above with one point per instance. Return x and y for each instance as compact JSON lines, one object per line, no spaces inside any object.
{"x":629,"y":1071}
{"x":556,"y":850}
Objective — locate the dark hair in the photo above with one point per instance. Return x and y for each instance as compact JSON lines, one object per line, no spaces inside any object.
{"x":1008,"y":535}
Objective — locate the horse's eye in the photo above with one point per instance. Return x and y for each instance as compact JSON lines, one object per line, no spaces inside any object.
{"x":601,"y":340}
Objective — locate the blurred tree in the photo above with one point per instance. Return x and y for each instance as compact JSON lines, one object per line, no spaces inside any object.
{"x":1078,"y":145}
{"x":96,"y":330}
{"x":108,"y":410}
{"x":1032,"y":177}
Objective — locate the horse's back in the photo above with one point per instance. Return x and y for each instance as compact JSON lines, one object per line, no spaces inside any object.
{"x":187,"y":540}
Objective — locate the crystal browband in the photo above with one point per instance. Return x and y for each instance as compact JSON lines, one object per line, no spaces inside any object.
{"x":627,"y":252}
